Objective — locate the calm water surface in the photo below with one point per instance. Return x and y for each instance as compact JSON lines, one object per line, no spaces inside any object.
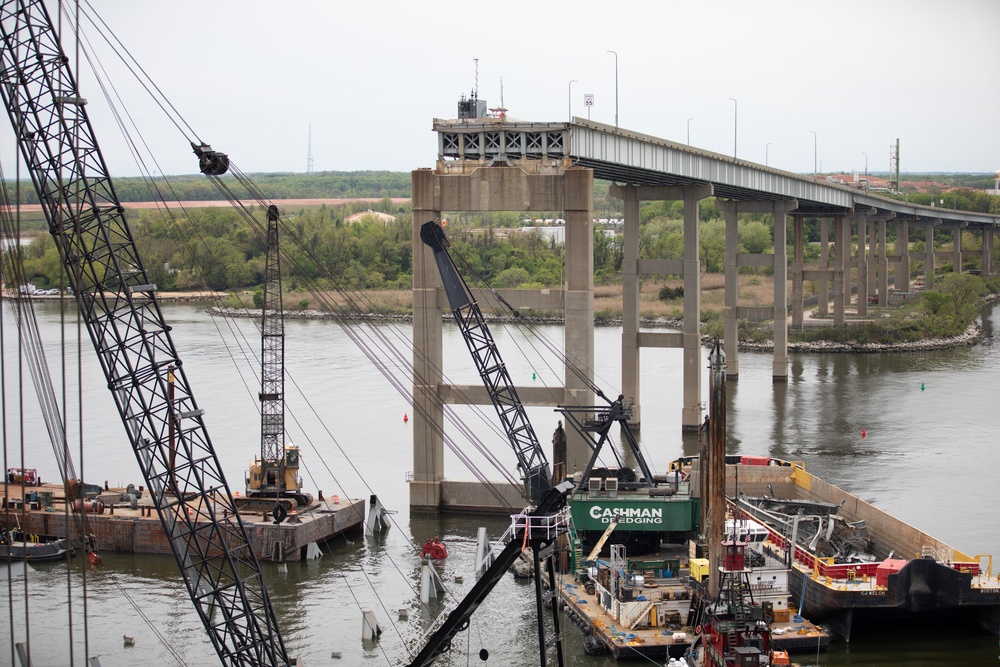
{"x":931,"y":457}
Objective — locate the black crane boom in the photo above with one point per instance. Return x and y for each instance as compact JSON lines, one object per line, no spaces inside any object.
{"x":143,"y":370}
{"x":531,"y":459}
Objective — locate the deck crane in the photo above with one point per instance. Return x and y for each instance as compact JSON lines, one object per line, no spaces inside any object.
{"x":275,"y":473}
{"x":118,"y":305}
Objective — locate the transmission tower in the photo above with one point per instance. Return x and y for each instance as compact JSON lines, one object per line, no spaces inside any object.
{"x":894,"y":167}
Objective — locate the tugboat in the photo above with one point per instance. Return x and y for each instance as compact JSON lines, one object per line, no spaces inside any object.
{"x":734,"y":631}
{"x":434,"y":549}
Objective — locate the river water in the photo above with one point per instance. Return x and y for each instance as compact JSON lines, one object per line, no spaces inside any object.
{"x":931,"y":456}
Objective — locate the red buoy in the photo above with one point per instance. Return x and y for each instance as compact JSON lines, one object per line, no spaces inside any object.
{"x":864,"y":433}
{"x":406,"y":418}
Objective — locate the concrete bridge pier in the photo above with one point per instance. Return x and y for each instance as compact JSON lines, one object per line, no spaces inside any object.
{"x":865,"y":261}
{"x":798,"y":272}
{"x":535,"y":185}
{"x":956,"y":249}
{"x":841,"y":282}
{"x":778,"y":261}
{"x":987,"y":262}
{"x":929,"y":253}
{"x":901,"y":274}
{"x":689,"y":267}
{"x":882,"y":259}
{"x":823,"y":279}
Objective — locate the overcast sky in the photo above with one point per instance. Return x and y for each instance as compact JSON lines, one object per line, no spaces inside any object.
{"x":369,"y":76}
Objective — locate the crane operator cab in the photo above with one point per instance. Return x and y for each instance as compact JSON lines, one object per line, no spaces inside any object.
{"x":277,"y":479}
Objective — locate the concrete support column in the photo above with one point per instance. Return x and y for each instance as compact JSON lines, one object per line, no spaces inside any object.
{"x":902,"y":276}
{"x":956,"y":250}
{"x":841,"y":248}
{"x":691,"y":413}
{"x":428,"y":412}
{"x":730,"y":318}
{"x":882,"y":258}
{"x":866,"y":270}
{"x":578,"y":210}
{"x":987,"y":264}
{"x":630,"y":301}
{"x":929,"y":255}
{"x":871,"y":256}
{"x":798,"y":266}
{"x":823,"y":283}
{"x":779,"y":365}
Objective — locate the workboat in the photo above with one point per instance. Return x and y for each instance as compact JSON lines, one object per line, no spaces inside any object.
{"x":852,"y":561}
{"x":735,"y":630}
{"x":16,"y":545}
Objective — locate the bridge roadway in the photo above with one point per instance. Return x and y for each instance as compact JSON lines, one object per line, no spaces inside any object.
{"x":500,"y":164}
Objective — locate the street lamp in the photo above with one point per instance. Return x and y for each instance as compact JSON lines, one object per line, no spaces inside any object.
{"x":616,"y":86}
{"x":735,"y":117}
{"x":765,"y":154}
{"x":866,"y":170}
{"x":570,"y":96}
{"x":815,"y":170}
{"x":689,"y":131}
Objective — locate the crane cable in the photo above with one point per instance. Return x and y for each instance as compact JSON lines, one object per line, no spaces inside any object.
{"x":368,"y":351}
{"x":168,"y":108}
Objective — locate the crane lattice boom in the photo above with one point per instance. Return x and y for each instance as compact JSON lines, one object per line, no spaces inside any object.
{"x":143,"y":371}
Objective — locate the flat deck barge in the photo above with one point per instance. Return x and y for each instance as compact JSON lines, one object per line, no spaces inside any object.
{"x":123,"y":528}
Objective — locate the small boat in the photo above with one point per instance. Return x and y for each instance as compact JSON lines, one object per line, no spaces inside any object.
{"x":17,"y":545}
{"x":434,"y":549}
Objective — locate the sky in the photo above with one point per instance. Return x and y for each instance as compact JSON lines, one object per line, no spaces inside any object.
{"x":800,"y":85}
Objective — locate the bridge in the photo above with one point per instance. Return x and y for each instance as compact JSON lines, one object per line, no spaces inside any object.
{"x":499,"y":164}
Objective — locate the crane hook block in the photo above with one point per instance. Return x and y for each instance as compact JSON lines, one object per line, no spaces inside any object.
{"x":211,"y":163}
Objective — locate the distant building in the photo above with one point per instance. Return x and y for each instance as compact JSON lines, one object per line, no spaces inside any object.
{"x":370,"y":216}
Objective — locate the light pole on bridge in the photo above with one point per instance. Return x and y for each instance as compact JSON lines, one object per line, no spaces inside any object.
{"x":689,"y":130}
{"x":815,"y":170}
{"x":766,"y":153}
{"x":866,"y":170}
{"x":736,"y":107}
{"x":616,"y":86}
{"x":570,"y":99}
